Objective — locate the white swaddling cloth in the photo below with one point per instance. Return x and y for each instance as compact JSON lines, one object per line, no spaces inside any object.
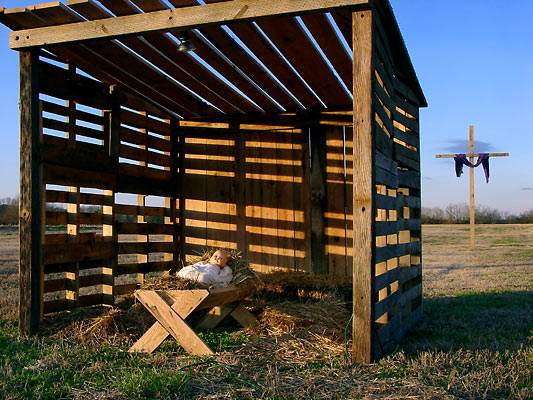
{"x":207,"y":274}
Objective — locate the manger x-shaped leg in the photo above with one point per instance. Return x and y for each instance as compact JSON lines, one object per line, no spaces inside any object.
{"x":171,"y":319}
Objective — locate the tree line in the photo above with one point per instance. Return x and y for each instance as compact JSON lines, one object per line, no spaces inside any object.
{"x":460,"y":214}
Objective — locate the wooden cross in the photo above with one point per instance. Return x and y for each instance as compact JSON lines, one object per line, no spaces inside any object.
{"x":471,"y":156}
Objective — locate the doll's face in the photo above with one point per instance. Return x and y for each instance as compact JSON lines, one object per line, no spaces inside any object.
{"x":219,"y":258}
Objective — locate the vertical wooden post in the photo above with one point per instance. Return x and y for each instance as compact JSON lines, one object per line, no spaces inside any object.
{"x":141,"y":204}
{"x":171,"y":202}
{"x":112,"y":141}
{"x":73,"y":206}
{"x":239,"y":188}
{"x":73,"y":232}
{"x":319,"y":259}
{"x":363,"y":189}
{"x":31,"y":206}
{"x":472,"y":205}
{"x":181,"y":191}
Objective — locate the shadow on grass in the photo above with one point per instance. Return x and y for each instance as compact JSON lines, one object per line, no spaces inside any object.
{"x":495,"y":321}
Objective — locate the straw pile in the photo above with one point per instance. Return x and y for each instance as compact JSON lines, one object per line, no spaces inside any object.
{"x":238,"y":264}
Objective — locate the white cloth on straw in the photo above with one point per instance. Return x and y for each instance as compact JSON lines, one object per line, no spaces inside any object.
{"x":207,"y":274}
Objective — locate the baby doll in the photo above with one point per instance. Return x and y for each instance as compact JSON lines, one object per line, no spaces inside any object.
{"x":213,"y":273}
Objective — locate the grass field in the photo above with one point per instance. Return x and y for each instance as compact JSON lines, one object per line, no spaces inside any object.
{"x":475,"y":340}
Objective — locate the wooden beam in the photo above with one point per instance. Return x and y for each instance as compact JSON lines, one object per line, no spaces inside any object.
{"x":31,"y":213}
{"x":174,"y":19}
{"x":472,"y":155}
{"x":363,"y":188}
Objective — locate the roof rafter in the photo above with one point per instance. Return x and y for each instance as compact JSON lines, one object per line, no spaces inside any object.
{"x":166,"y":20}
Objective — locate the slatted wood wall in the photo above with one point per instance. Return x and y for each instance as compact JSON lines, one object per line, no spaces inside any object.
{"x":110,"y":174}
{"x":137,"y":192}
{"x":398,"y":272}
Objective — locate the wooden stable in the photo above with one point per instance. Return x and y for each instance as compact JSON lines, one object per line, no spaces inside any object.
{"x":291,"y":133}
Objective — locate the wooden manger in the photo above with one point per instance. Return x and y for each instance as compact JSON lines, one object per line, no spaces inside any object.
{"x":292,"y":135}
{"x":171,"y":307}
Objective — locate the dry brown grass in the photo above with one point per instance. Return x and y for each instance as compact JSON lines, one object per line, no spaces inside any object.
{"x":476,"y":339}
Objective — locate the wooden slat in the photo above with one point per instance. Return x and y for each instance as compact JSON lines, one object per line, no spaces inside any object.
{"x":145,"y":122}
{"x":135,"y":137}
{"x":146,"y":156}
{"x":58,"y":253}
{"x":410,"y":179}
{"x":290,"y":39}
{"x":60,"y":175}
{"x":144,"y":229}
{"x":387,"y":303}
{"x":145,"y":247}
{"x":79,"y":115}
{"x":407,"y":274}
{"x":255,"y":41}
{"x":386,"y":228}
{"x":143,"y":268}
{"x":137,"y":171}
{"x":136,"y":210}
{"x":408,"y":137}
{"x":384,"y":280}
{"x":324,"y":34}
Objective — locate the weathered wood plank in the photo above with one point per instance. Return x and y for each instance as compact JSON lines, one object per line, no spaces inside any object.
{"x":363,"y":189}
{"x":31,"y":213}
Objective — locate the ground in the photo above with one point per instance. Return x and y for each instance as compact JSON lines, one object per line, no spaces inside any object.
{"x":475,"y":340}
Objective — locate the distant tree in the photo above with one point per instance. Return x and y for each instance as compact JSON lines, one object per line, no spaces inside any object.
{"x":9,"y":211}
{"x":434,"y":215}
{"x":487,"y":215}
{"x":457,"y":213}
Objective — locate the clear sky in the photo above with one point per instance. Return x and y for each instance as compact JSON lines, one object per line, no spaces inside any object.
{"x":474,"y":61}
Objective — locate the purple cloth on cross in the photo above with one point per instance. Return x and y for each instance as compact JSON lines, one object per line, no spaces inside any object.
{"x":460,"y":160}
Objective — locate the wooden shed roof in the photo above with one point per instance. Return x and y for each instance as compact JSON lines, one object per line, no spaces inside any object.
{"x":251,"y":56}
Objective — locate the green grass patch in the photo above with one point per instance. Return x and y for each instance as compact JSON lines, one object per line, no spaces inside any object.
{"x":42,"y":369}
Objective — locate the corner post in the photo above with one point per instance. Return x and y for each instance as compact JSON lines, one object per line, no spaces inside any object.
{"x":363,"y":188}
{"x":31,"y":205}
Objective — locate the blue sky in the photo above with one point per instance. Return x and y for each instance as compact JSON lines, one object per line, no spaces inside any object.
{"x":474,"y":61}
